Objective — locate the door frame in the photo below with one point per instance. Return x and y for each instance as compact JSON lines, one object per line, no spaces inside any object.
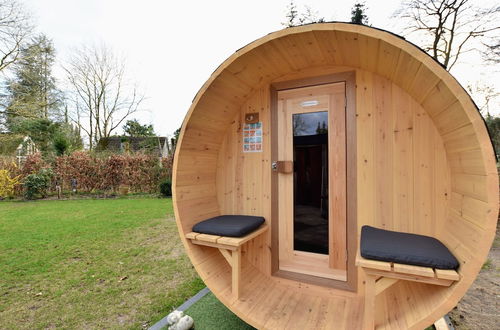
{"x":331,"y":100}
{"x":350,"y":80}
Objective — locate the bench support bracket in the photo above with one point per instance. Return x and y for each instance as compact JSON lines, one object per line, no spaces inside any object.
{"x":230,"y":248}
{"x":233,"y":258}
{"x":381,"y":275}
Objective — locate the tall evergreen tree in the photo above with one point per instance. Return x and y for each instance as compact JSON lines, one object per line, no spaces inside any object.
{"x":32,"y":92}
{"x":358,"y":15}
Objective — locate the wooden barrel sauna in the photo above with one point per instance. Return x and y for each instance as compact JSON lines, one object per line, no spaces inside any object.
{"x":406,"y":150}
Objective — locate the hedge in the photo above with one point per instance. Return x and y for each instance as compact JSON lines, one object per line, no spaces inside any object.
{"x":138,"y":172}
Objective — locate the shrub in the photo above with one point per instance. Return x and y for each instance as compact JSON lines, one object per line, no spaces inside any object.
{"x":86,"y":169}
{"x":166,"y":188}
{"x":37,"y":184}
{"x":7,"y":184}
{"x":167,"y":164}
{"x":33,"y":164}
{"x":141,"y":173}
{"x":115,"y":170}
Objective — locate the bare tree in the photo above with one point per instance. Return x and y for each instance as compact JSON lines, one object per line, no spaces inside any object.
{"x":307,"y":17}
{"x":448,"y":26}
{"x":491,"y":53}
{"x":484,"y":96}
{"x":310,"y":16}
{"x":15,"y":27}
{"x":102,"y":93}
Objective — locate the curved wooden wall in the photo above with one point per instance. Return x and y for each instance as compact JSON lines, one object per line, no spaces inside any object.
{"x":425,"y":162}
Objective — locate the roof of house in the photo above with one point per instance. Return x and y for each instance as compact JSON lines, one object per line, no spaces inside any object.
{"x":135,"y":143}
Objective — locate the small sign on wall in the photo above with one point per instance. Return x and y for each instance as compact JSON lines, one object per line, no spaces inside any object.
{"x":252,"y":137}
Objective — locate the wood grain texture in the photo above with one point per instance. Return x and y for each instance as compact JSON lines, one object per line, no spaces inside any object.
{"x":330,"y":97}
{"x":384,"y":283}
{"x":409,"y":269}
{"x":410,"y":276}
{"x":447,"y":274}
{"x":439,"y":171}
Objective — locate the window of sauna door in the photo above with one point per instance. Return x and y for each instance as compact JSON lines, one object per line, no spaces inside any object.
{"x":312,"y":197}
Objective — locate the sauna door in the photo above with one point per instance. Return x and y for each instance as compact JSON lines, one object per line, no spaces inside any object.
{"x":312,"y":180}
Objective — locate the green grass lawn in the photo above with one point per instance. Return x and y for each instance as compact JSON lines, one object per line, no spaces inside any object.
{"x":115,"y":263}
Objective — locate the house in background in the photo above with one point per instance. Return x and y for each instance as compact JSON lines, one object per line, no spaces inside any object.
{"x":17,"y":146}
{"x":149,"y":144}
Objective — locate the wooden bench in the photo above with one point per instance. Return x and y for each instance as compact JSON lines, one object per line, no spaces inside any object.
{"x":381,"y":275}
{"x":230,"y":248}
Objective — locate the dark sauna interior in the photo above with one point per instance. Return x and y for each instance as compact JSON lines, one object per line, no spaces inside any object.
{"x":310,"y":148}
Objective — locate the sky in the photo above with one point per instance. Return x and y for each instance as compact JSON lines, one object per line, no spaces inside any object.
{"x":172,"y":47}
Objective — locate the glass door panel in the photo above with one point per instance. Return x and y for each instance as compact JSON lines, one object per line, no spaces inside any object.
{"x":310,"y":149}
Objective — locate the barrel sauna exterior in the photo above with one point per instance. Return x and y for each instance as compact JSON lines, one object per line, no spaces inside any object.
{"x":418,"y":155}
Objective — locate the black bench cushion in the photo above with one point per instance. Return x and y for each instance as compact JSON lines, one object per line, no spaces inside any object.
{"x":229,"y":225}
{"x":404,"y":248}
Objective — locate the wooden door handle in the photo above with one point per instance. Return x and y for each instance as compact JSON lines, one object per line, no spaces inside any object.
{"x":283,"y":166}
